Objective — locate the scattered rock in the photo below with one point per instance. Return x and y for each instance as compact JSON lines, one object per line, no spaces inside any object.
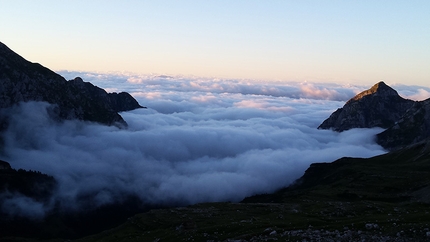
{"x":372,"y":226}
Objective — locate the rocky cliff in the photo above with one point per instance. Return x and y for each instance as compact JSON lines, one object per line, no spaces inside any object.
{"x":23,"y":81}
{"x":380,"y":106}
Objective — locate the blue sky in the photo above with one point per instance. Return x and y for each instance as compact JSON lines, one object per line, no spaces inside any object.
{"x":358,"y":42}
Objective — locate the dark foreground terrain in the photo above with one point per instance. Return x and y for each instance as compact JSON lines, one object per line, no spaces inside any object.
{"x":384,"y":198}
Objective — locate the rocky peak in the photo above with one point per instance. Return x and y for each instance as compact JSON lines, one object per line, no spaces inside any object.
{"x":379,"y":89}
{"x":379,"y":106}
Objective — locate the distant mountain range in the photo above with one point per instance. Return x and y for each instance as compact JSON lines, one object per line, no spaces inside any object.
{"x":406,"y":122}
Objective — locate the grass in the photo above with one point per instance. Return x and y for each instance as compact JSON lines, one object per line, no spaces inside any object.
{"x":223,"y":221}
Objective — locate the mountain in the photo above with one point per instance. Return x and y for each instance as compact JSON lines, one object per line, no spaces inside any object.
{"x":23,"y":81}
{"x":413,"y":127}
{"x":406,"y":122}
{"x":379,"y":106}
{"x":31,"y":184}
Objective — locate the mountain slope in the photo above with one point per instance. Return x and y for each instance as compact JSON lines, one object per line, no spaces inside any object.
{"x":384,"y":198}
{"x":23,"y":81}
{"x":392,"y":177}
{"x":379,"y":106}
{"x":413,"y":127}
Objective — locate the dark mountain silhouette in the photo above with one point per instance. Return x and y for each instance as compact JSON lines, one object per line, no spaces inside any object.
{"x":31,"y":184}
{"x":380,"y":106}
{"x":23,"y":81}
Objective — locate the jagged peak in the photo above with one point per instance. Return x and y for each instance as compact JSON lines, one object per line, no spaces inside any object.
{"x":379,"y":88}
{"x":78,"y":79}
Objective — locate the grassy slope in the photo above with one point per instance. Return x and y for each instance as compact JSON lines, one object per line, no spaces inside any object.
{"x":384,"y":197}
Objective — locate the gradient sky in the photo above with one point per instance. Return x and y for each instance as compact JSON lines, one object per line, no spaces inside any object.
{"x":358,"y":42}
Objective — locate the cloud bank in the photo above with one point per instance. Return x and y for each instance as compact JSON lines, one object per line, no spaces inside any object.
{"x":198,"y":141}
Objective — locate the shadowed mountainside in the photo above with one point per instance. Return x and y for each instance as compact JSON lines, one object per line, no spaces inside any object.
{"x":23,"y":81}
{"x":34,"y":191}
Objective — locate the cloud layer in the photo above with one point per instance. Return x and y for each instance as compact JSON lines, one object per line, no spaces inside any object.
{"x":198,"y":141}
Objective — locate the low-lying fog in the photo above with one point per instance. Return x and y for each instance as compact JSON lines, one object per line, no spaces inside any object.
{"x":200,"y":140}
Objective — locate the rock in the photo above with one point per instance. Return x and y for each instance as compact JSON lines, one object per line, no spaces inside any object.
{"x":372,"y":226}
{"x":379,"y":106}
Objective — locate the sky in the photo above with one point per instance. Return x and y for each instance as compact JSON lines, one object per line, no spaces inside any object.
{"x":349,"y":42}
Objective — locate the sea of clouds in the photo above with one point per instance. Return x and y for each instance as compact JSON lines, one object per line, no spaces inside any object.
{"x":199,"y":140}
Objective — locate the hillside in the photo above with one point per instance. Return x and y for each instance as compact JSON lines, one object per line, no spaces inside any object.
{"x":384,"y":198}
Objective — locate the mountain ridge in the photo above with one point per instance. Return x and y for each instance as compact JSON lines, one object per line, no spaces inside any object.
{"x":23,"y":81}
{"x":379,"y":88}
